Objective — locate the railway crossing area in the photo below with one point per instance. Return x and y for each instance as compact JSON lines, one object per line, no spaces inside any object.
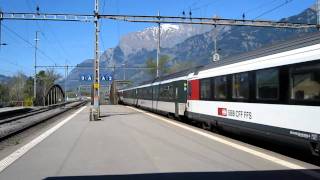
{"x":128,"y":143}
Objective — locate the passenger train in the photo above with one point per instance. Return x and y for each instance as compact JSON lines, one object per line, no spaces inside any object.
{"x":272,"y":93}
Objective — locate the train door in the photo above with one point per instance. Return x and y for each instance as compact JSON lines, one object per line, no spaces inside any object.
{"x":153,"y":97}
{"x":136,"y":100}
{"x":156,"y":96}
{"x":176,"y":99}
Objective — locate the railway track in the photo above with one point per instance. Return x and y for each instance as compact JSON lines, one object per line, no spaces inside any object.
{"x":16,"y":124}
{"x":20,"y":115}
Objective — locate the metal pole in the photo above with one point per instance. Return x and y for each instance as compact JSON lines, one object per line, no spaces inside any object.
{"x":318,"y":13}
{"x":158,"y":48}
{"x":66,"y":94}
{"x":124,"y":70}
{"x":65,"y":80}
{"x":1,"y":17}
{"x":96,"y":85}
{"x":215,"y":45}
{"x":35,"y":68}
{"x":0,"y":30}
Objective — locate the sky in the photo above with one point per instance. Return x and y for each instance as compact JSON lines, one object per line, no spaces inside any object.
{"x":72,"y":42}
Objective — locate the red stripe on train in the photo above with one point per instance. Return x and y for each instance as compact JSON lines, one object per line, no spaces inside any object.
{"x":193,"y":88}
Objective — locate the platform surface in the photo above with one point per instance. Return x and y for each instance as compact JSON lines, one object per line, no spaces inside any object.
{"x":129,"y":144}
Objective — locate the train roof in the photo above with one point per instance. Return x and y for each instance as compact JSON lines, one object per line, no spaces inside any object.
{"x":178,"y":74}
{"x":308,"y":40}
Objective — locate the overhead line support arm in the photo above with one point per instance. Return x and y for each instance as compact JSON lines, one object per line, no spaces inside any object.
{"x":151,"y":19}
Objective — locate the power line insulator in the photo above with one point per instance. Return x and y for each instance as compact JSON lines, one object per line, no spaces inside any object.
{"x":38,"y":10}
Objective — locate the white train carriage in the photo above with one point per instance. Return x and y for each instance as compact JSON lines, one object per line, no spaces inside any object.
{"x":166,"y":95}
{"x":272,"y":93}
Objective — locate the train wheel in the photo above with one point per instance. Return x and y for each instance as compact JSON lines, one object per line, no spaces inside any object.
{"x":214,"y":128}
{"x":205,"y":126}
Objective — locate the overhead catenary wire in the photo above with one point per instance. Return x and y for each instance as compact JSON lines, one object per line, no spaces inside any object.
{"x":118,"y":25}
{"x":28,"y":42}
{"x":263,"y":5}
{"x":273,"y":9}
{"x":15,"y":64}
{"x":101,"y":25}
{"x":62,"y":49}
{"x":154,"y":19}
{"x":203,"y":5}
{"x":211,"y":21}
{"x":21,"y":69}
{"x":6,"y":70}
{"x":90,"y":67}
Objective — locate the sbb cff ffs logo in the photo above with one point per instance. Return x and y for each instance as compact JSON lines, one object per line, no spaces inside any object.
{"x":222,"y":111}
{"x":240,"y":114}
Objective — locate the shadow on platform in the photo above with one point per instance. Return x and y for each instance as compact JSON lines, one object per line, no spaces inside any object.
{"x":239,"y":175}
{"x":118,"y":114}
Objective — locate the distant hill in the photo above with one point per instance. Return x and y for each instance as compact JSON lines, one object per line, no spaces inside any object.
{"x":238,"y":40}
{"x":186,"y":43}
{"x":4,"y":79}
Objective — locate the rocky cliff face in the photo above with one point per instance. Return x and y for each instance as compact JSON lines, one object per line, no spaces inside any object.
{"x":171,"y":35}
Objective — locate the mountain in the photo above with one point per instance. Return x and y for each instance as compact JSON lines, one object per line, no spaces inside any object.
{"x":239,"y":39}
{"x":190,"y":44}
{"x":133,"y":49}
{"x":171,"y":34}
{"x":4,"y":79}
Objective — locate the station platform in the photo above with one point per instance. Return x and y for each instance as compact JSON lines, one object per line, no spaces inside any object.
{"x":133,"y":144}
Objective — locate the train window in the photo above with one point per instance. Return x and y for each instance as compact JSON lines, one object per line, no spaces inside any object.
{"x":150,"y":92}
{"x":144,"y":93}
{"x":139,"y":93}
{"x":267,"y":84}
{"x":240,"y":86}
{"x":170,"y":92}
{"x":155,"y":92}
{"x":305,"y":82}
{"x":164,"y":92}
{"x":205,"y":89}
{"x":220,"y":87}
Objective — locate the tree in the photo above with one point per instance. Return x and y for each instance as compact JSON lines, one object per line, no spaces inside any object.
{"x":179,"y":66}
{"x":19,"y":89}
{"x":45,"y":79}
{"x":28,"y":88}
{"x":16,"y":88}
{"x":163,"y":65}
{"x":28,"y":92}
{"x":4,"y":94}
{"x":152,"y":65}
